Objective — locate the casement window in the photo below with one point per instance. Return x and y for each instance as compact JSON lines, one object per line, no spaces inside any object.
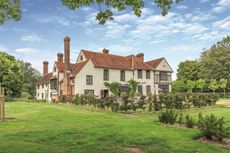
{"x":139,"y":74}
{"x":106,"y":75}
{"x":140,"y":90}
{"x":81,"y":58}
{"x":89,"y":92}
{"x":42,"y":95}
{"x":122,"y":76}
{"x":89,"y":80}
{"x":124,"y":88}
{"x":164,"y":88}
{"x":163,"y":76}
{"x":148,"y":74}
{"x":148,"y":89}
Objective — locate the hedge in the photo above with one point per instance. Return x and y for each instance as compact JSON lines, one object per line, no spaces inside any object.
{"x":150,"y":103}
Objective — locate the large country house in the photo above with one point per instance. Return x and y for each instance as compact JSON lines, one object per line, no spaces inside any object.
{"x":92,"y":69}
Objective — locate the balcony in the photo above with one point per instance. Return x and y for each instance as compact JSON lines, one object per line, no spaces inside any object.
{"x":162,"y":78}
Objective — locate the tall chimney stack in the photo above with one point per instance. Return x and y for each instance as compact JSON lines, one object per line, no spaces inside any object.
{"x":140,"y":56}
{"x":67,"y":52}
{"x":45,"y":67}
{"x":60,"y":57}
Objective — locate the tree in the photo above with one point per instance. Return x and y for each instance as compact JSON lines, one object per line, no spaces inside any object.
{"x":188,"y":70}
{"x":200,"y":84}
{"x":223,"y":84}
{"x":114,"y":87}
{"x":30,"y":79}
{"x":190,"y":85}
{"x":132,"y":85}
{"x":213,"y":85}
{"x":10,"y":9}
{"x":10,"y":75}
{"x":215,"y":62}
{"x":178,"y":86}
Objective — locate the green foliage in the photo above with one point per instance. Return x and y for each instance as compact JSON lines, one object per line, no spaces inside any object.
{"x":132,"y":84}
{"x":223,"y":84}
{"x":188,"y":70}
{"x":168,"y":116}
{"x":213,"y":85}
{"x":190,"y":85}
{"x":30,"y":78}
{"x":114,"y":87}
{"x":178,"y":86}
{"x":200,"y":84}
{"x":10,"y":75}
{"x":212,"y":127}
{"x":9,"y":9}
{"x":106,"y":7}
{"x":180,"y":119}
{"x":189,"y":121}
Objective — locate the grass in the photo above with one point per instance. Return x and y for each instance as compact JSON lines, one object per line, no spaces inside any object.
{"x":42,"y":127}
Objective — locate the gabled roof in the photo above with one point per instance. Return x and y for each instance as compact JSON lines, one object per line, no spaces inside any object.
{"x":61,"y":66}
{"x":45,"y":79}
{"x":76,"y":68}
{"x":103,"y":60}
{"x":154,"y":63}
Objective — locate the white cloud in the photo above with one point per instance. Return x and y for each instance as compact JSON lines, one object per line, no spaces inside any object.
{"x":221,"y":6}
{"x":115,"y":30}
{"x":3,"y":48}
{"x":59,"y":20}
{"x":182,"y":7}
{"x":26,"y":51}
{"x":31,"y":38}
{"x":223,"y":24}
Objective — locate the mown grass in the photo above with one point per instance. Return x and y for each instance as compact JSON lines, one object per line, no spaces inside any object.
{"x":42,"y":127}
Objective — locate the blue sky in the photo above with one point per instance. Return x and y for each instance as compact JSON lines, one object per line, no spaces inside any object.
{"x":190,"y":26}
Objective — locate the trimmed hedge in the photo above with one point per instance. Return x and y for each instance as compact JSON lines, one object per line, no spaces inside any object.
{"x":151,"y":103}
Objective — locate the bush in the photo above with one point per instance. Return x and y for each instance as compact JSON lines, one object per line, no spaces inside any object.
{"x":189,"y":121}
{"x":168,"y":117}
{"x":180,"y":119}
{"x":212,"y":127}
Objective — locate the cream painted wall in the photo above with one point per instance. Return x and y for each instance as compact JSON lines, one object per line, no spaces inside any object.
{"x":46,"y":92}
{"x":164,"y":66}
{"x":114,"y":75}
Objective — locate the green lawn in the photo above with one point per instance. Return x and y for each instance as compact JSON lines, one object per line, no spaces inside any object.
{"x":41,"y":127}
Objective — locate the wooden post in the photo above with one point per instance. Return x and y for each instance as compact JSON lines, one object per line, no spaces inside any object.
{"x":2,"y":109}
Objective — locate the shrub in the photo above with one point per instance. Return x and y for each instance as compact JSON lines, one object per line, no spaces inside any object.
{"x":180,"y":118}
{"x":168,"y":117}
{"x":189,"y":121}
{"x":212,"y":127}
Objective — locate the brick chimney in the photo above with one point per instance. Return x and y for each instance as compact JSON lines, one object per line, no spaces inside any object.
{"x":66,"y":80}
{"x":140,"y":56}
{"x":67,"y":52}
{"x":105,"y":51}
{"x":60,"y":57}
{"x":45,"y":67}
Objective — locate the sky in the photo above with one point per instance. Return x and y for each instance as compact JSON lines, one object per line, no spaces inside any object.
{"x":190,"y":26}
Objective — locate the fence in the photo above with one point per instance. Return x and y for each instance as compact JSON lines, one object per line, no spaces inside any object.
{"x":2,"y":109}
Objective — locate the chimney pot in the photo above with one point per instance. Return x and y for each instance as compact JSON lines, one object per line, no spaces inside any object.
{"x":106,"y":51}
{"x":140,"y":56}
{"x":60,"y":57}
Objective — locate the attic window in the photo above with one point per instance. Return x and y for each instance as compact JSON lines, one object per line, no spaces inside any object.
{"x":81,"y":57}
{"x":164,"y":65}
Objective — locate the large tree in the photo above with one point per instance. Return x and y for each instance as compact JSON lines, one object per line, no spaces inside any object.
{"x":10,"y":75}
{"x":188,"y":70}
{"x":10,"y":9}
{"x":215,"y":62}
{"x":30,"y":79}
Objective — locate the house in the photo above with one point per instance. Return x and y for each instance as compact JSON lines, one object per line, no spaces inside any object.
{"x":92,"y":69}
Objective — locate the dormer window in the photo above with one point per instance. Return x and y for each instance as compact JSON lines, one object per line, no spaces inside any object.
{"x":81,"y":58}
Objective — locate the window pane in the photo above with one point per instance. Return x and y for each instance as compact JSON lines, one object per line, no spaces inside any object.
{"x":89,"y":80}
{"x":139,"y":73}
{"x":106,"y":75}
{"x":147,"y":74}
{"x":122,"y":75}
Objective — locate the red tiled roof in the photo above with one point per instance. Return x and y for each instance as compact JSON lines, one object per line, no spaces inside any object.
{"x":76,"y":68}
{"x":115,"y":62}
{"x":154,"y":63}
{"x":45,"y":79}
